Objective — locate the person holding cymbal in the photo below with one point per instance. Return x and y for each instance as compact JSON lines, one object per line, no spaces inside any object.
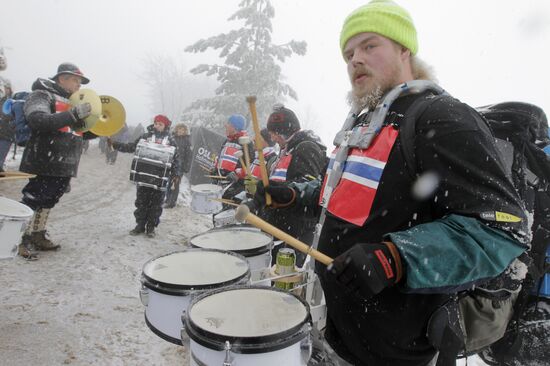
{"x":53,"y":150}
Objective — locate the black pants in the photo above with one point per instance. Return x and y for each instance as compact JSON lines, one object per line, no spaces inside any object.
{"x":44,"y":191}
{"x":148,"y":206}
{"x":173,"y":191}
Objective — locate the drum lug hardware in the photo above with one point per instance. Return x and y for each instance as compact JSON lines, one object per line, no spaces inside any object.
{"x":144,"y":295}
{"x":306,"y":345}
{"x":183,"y":334}
{"x":228,"y":361}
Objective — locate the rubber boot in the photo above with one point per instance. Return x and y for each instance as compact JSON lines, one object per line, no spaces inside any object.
{"x":26,"y":249}
{"x":139,"y":229}
{"x":150,"y":229}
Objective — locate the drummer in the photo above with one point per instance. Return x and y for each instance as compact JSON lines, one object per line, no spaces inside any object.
{"x":227,"y":161}
{"x":53,"y":150}
{"x":148,"y":200}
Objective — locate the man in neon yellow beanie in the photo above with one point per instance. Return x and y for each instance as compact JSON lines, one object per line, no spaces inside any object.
{"x":405,"y":212}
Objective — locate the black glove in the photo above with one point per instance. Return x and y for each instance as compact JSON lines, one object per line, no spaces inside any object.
{"x":281,"y":194}
{"x":367,"y":269}
{"x":81,"y":111}
{"x":232,"y":177}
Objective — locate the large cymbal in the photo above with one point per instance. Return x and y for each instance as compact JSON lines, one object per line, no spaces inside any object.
{"x":112,"y":119}
{"x":88,"y":96}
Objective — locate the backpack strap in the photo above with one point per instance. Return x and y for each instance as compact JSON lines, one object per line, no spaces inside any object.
{"x":407,"y":130}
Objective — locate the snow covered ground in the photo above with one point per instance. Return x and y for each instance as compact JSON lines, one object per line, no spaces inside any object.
{"x":80,"y":305}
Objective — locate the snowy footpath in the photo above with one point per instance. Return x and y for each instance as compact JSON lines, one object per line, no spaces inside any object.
{"x":80,"y":305}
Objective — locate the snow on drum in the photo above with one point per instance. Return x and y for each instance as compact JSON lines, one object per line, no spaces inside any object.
{"x":250,"y":243}
{"x":14,"y":217}
{"x":171,"y":280}
{"x":202,"y":196}
{"x":248,"y":326}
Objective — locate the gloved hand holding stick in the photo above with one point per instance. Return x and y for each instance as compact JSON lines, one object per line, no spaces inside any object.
{"x":239,"y":155}
{"x":243,"y":214}
{"x":265,"y":179}
{"x":244,"y":141}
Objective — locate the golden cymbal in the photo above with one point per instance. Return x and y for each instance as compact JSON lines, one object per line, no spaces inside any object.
{"x":88,"y":96}
{"x":112,"y":118}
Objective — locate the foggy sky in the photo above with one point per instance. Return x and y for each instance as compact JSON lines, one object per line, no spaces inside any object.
{"x":482,"y":51}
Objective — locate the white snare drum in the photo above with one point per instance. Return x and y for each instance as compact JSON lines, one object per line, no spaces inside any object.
{"x":224,"y":218}
{"x":14,"y":217}
{"x":201,"y":198}
{"x":248,"y":326}
{"x":251,"y":243}
{"x":152,"y":164}
{"x":170,"y":281}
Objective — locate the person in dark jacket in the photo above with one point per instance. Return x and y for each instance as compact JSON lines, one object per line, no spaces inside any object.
{"x":7,"y":129}
{"x":405,"y":246}
{"x":182,"y":139}
{"x":148,"y":200}
{"x":53,"y":150}
{"x":302,"y":158}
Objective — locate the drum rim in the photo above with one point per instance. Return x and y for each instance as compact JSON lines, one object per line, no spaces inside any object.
{"x":220,"y":188}
{"x":247,"y":345}
{"x":162,"y":335}
{"x":5,"y":215}
{"x":180,"y":289}
{"x":251,"y":252}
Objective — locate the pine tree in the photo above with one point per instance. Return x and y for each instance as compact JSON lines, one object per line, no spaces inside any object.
{"x":251,"y":67}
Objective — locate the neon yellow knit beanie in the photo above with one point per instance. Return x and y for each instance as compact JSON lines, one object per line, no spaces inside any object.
{"x":384,"y":17}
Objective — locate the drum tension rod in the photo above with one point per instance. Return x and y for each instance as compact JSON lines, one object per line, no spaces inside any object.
{"x":228,"y":361}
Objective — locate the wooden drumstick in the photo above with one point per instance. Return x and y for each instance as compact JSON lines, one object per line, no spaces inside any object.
{"x":265,"y":179}
{"x":244,"y":141}
{"x":239,"y":155}
{"x":226,"y":201}
{"x":17,"y":177}
{"x":243,"y":214}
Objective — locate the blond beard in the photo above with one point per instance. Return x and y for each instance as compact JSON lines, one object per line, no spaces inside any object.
{"x":369,"y":100}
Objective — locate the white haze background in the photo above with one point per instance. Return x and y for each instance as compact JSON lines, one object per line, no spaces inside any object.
{"x":482,"y":51}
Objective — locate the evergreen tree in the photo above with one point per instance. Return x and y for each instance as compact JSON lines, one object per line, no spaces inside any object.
{"x":251,"y":67}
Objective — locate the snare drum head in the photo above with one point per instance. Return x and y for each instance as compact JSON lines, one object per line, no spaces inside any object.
{"x":248,"y":312}
{"x":243,"y":241}
{"x":195,"y":269}
{"x":206,"y":188}
{"x":13,"y":208}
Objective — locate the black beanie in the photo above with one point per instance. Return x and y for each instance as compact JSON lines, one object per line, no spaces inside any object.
{"x":283,"y":121}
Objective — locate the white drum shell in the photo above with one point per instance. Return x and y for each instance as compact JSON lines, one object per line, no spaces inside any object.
{"x":290,"y":356}
{"x":249,"y":316}
{"x":163,"y":311}
{"x":228,"y":238}
{"x":202,"y":198}
{"x":14,"y":218}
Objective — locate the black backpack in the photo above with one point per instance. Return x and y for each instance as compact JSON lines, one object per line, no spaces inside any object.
{"x":521,"y":132}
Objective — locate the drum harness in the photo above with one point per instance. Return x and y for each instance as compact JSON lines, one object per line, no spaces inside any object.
{"x":350,"y":137}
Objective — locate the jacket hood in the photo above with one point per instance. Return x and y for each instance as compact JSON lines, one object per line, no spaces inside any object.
{"x":305,"y":135}
{"x":49,"y":86}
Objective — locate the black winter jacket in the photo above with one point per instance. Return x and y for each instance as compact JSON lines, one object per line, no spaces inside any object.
{"x":185,"y":154}
{"x":49,"y":151}
{"x":456,"y":145}
{"x":308,"y":161}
